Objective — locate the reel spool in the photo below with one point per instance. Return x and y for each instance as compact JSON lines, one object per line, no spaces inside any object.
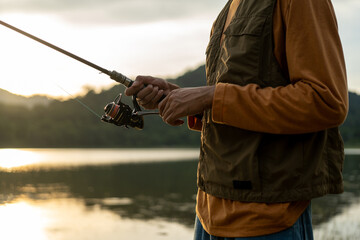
{"x":120,"y":114}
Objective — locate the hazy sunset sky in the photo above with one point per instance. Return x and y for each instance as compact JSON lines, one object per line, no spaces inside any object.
{"x":135,"y":37}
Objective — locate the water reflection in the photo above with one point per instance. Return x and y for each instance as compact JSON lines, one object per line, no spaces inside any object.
{"x":345,"y":225}
{"x":137,"y":191}
{"x":22,"y":215}
{"x":62,"y":219}
{"x":128,"y":200}
{"x":13,"y":158}
{"x":28,"y":159}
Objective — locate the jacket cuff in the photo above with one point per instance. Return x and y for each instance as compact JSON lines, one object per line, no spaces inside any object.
{"x":194,"y":123}
{"x":218,"y":103}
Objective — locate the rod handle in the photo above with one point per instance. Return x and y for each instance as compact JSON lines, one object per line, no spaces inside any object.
{"x":118,"y":77}
{"x":127,"y":82}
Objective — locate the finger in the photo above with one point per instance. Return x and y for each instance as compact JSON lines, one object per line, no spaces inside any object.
{"x":139,"y":83}
{"x":145,"y":79}
{"x":131,"y":90}
{"x":158,"y":96}
{"x":167,"y":111}
{"x":171,"y":117}
{"x":149,"y":98}
{"x":169,"y":108}
{"x":135,"y":87}
{"x":162,"y":105}
{"x":161,"y":83}
{"x":145,"y":92}
{"x":176,"y":122}
{"x":149,"y":106}
{"x":141,"y":78}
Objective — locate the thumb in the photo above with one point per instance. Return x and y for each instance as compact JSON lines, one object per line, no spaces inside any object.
{"x":134,"y":88}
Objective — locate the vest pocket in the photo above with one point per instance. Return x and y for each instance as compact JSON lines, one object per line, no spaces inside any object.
{"x":246,"y":26}
{"x":241,"y":51}
{"x":229,"y":162}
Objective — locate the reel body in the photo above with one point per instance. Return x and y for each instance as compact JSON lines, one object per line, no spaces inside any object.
{"x":120,"y":114}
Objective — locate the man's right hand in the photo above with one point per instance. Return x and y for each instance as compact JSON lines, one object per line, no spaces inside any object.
{"x":149,"y":90}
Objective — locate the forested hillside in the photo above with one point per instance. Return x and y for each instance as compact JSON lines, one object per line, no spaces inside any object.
{"x":69,"y":124}
{"x":13,"y":99}
{"x":350,"y":130}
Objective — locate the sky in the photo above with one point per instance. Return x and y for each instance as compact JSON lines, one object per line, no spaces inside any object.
{"x":162,"y":38}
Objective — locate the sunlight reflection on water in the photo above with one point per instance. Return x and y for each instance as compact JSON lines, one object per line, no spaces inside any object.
{"x":19,"y":220}
{"x":12,"y":158}
{"x":24,"y":158}
{"x":62,"y":219}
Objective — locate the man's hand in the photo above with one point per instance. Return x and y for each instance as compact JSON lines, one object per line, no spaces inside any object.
{"x":184,"y":102}
{"x":149,"y":90}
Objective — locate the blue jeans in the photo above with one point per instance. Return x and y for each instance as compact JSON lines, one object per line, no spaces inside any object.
{"x":301,"y":230}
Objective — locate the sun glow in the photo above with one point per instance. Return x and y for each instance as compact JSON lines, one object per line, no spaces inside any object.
{"x":13,"y":158}
{"x":120,"y":47}
{"x":21,"y":220}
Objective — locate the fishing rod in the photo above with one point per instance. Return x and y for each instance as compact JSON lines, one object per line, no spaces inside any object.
{"x":116,"y":112}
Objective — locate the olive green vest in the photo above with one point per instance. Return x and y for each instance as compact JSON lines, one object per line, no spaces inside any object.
{"x":251,"y":166}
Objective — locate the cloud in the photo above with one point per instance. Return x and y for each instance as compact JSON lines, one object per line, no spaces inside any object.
{"x":347,"y":8}
{"x":150,"y":30}
{"x":115,"y":11}
{"x":347,"y":12}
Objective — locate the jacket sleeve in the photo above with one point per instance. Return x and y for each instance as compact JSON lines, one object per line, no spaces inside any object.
{"x":317,"y":97}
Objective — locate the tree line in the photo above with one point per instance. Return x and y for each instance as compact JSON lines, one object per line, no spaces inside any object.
{"x":67,"y":124}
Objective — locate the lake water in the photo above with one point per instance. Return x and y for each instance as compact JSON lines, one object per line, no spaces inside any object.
{"x":132,"y":194}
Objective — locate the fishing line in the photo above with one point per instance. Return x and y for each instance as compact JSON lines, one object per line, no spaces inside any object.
{"x":79,"y":101}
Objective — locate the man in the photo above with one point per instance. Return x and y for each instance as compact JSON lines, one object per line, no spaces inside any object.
{"x":276,"y":93}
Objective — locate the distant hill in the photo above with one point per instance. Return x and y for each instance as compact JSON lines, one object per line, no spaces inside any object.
{"x":192,"y":78}
{"x":13,"y":99}
{"x":350,"y":130}
{"x":52,"y":123}
{"x":68,"y":124}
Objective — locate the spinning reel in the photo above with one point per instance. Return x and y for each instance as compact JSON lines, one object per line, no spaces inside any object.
{"x":120,"y":114}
